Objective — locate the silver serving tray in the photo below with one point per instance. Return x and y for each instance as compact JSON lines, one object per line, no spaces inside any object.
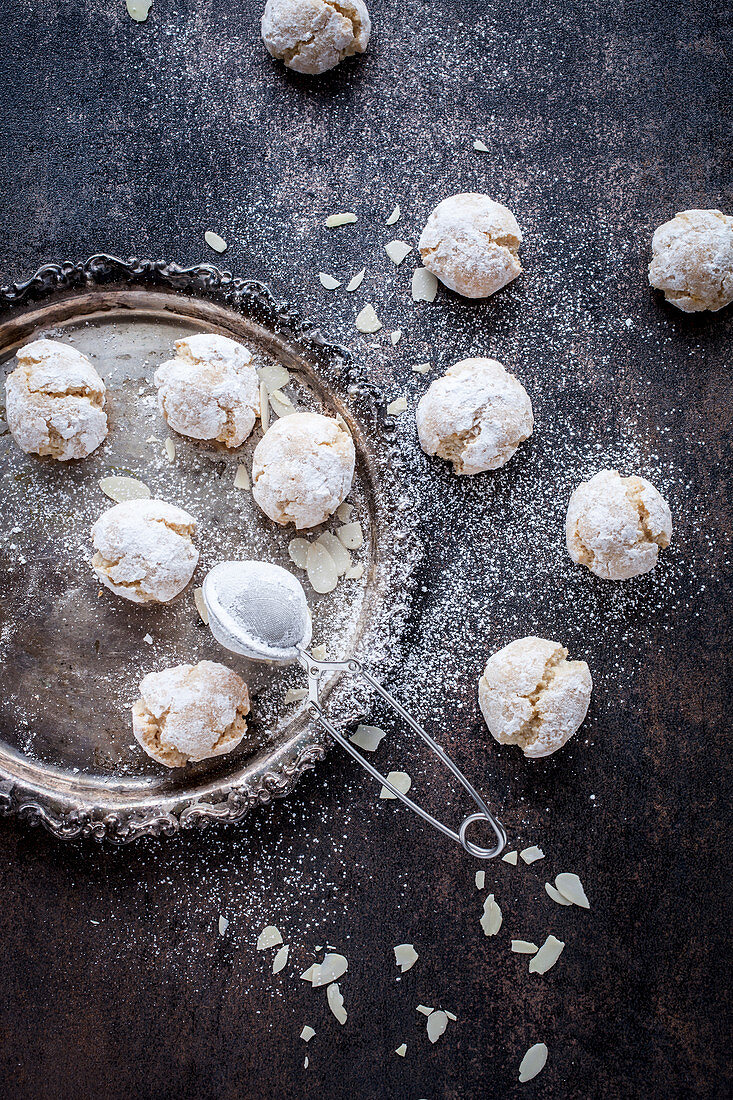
{"x":72,"y":654}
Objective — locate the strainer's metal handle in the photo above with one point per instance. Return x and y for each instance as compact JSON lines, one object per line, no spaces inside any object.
{"x":316,"y":669}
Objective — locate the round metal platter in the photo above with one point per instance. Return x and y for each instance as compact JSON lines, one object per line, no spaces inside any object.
{"x":72,"y":654}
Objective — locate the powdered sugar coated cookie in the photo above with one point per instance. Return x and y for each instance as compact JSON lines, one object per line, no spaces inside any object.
{"x":475,"y":416}
{"x":144,"y":550}
{"x":55,"y":402}
{"x":190,"y":712}
{"x":210,"y":390}
{"x":470,"y":242}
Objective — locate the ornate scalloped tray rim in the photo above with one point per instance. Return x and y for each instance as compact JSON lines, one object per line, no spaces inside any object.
{"x":81,"y":822}
{"x":71,"y":819}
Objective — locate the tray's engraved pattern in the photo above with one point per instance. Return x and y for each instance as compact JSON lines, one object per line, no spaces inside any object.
{"x":70,"y":817}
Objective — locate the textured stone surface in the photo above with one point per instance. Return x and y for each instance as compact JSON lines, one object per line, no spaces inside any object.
{"x":601,"y":122}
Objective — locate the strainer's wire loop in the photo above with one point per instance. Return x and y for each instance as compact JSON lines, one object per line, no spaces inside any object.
{"x":316,"y":669}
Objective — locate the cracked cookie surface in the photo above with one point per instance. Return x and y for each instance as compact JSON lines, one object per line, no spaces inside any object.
{"x":55,"y":402}
{"x":475,"y":416}
{"x":210,"y":390}
{"x":470,"y":242}
{"x":531,"y":695}
{"x":692,"y":260}
{"x":302,"y":469}
{"x":144,"y":550}
{"x":617,"y":525}
{"x":190,"y":712}
{"x":312,"y":36}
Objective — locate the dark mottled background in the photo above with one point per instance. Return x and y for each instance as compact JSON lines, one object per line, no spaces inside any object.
{"x":602,"y":120}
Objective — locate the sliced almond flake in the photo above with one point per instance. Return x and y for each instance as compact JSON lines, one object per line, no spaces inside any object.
{"x":421,"y":368}
{"x":281,"y":403}
{"x":398,"y":251}
{"x":510,"y":857}
{"x":571,"y":888}
{"x":424,"y":285}
{"x":241,"y":478}
{"x":318,"y":652}
{"x":170,"y":449}
{"x":400,"y":780}
{"x":294,"y":695}
{"x":405,"y":956}
{"x":223,"y":925}
{"x":327,"y":281}
{"x":531,"y":855}
{"x":307,"y":1033}
{"x":307,"y":975}
{"x":333,"y":221}
{"x":451,"y":1015}
{"x":264,"y":407}
{"x":491,"y":918}
{"x":355,"y":282}
{"x":367,"y":738}
{"x":480,"y":880}
{"x":198,"y":599}
{"x":298,"y":552}
{"x":437,"y":1023}
{"x":269,"y":937}
{"x":367,"y":320}
{"x":281,"y":957}
{"x":395,"y":336}
{"x":399,"y":405}
{"x":351,"y":535}
{"x":547,"y":956}
{"x":524,"y":947}
{"x":138,"y":9}
{"x":274,"y":376}
{"x":344,"y":511}
{"x":394,"y":216}
{"x":336,"y":1002}
{"x":215,"y":241}
{"x":533,"y":1061}
{"x":337,"y":550}
{"x":425,"y":1010}
{"x":305,"y":1062}
{"x":479,"y":146}
{"x":321,"y":568}
{"x":121,"y":489}
{"x":148,"y":638}
{"x":556,"y":895}
{"x":355,"y":573}
{"x":401,"y":1050}
{"x":152,"y":439}
{"x":332,"y":967}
